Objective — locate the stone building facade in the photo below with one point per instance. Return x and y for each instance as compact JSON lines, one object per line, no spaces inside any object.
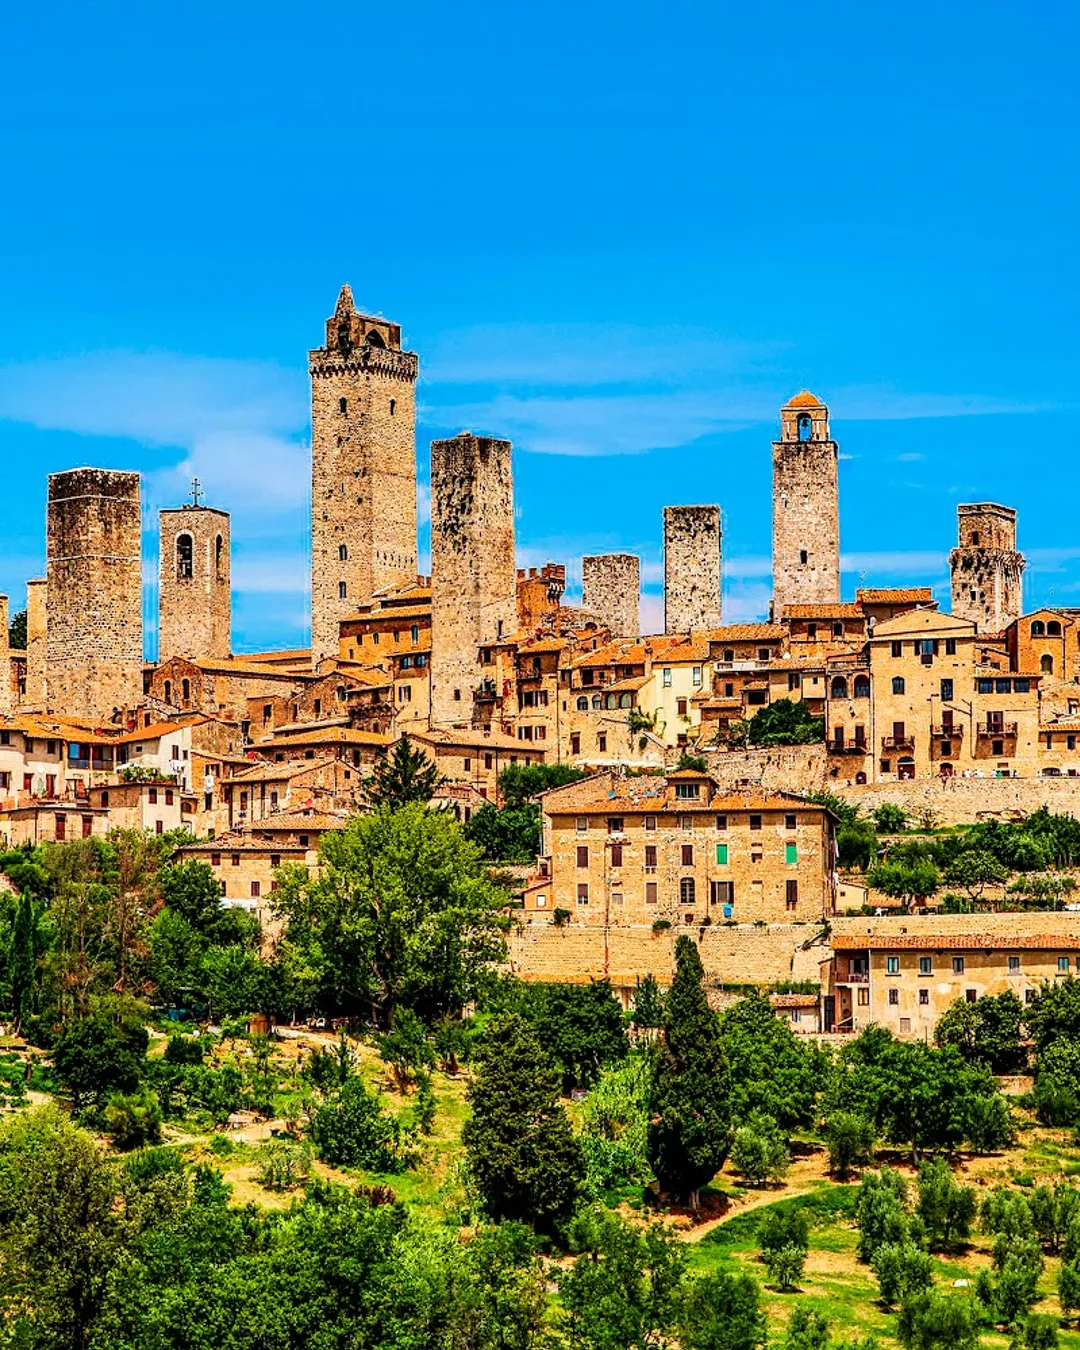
{"x":94,"y":632}
{"x":194,"y":589}
{"x":692,"y":548}
{"x":473,"y":574}
{"x":363,"y":468}
{"x":7,"y":687}
{"x":987,"y":571}
{"x":611,"y":589}
{"x":806,"y":507}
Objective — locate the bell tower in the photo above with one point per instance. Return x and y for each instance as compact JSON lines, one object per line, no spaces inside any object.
{"x":806,"y":507}
{"x":363,"y":468}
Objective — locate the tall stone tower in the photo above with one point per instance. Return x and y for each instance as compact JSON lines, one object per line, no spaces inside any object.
{"x":194,"y":593}
{"x":611,"y":589}
{"x":94,"y":632}
{"x":806,"y":507}
{"x":473,"y":576}
{"x":987,"y":571}
{"x":691,"y":568}
{"x":37,"y":616}
{"x":363,"y":468}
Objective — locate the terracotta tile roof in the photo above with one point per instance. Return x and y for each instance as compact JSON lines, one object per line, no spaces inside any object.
{"x":298,"y":820}
{"x":793,"y":1000}
{"x":899,"y":595}
{"x":1064,"y":724}
{"x":608,"y":793}
{"x":747,"y":632}
{"x":975,"y":941}
{"x":156,"y":730}
{"x":839,"y":610}
{"x":264,"y":772}
{"x":805,"y":399}
{"x":295,"y":733}
{"x":242,"y":667}
{"x":534,"y":646}
{"x":471,"y":737}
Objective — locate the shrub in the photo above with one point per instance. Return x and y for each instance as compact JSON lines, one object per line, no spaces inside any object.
{"x":946,"y":1209}
{"x":134,"y":1121}
{"x":850,"y":1139}
{"x":784,"y":1226}
{"x":283,"y":1164}
{"x":758,"y":1151}
{"x":183,"y":1050}
{"x":931,"y":1321}
{"x":1038,"y":1331}
{"x":901,"y":1269}
{"x":350,"y":1129}
{"x":889,"y":818}
{"x":879,"y":1210}
{"x":785,"y":1266}
{"x":1069,"y":1288}
{"x":806,"y":1330}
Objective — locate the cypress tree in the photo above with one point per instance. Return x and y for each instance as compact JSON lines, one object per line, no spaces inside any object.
{"x":520,"y":1146}
{"x":689,"y":1114}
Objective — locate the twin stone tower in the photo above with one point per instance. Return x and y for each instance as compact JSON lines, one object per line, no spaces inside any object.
{"x":85,"y":634}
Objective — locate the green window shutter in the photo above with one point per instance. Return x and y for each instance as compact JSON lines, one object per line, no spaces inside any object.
{"x":721,"y":854}
{"x":791,"y":853}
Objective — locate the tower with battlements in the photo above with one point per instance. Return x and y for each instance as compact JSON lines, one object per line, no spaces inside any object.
{"x":94,"y":631}
{"x":806,"y":507}
{"x":473,"y":573}
{"x":987,"y":571}
{"x":194,"y":594}
{"x":363,"y":468}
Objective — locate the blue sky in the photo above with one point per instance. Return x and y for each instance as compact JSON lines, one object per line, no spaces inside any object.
{"x":620,"y":234}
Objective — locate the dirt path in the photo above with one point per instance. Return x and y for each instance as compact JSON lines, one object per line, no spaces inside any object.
{"x":755,"y":1202}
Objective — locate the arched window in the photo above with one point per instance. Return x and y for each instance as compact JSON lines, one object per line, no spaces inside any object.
{"x":625,"y":701}
{"x":185,"y":690}
{"x":862,"y":686}
{"x":583,"y":704}
{"x":860,"y":778}
{"x":1053,"y":628}
{"x":374,"y":339}
{"x":805,"y":426}
{"x":185,"y":555}
{"x":342,"y":590}
{"x":686,"y":891}
{"x":597,"y":701}
{"x":898,"y":685}
{"x":839,"y":687}
{"x":1046,"y":665}
{"x":343,"y":553}
{"x":168,"y":691}
{"x":219,"y":555}
{"x":905,"y":767}
{"x":341,"y":693}
{"x":611,"y":701}
{"x":1038,"y":628}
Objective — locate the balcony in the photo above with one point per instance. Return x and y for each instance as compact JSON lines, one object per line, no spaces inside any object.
{"x":947,"y":732}
{"x":853,"y":977}
{"x":847,"y":747}
{"x":485,"y":691}
{"x":904,"y":742}
{"x":999,"y":731}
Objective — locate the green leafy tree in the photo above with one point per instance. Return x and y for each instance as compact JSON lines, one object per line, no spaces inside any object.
{"x":497,"y":1292}
{"x":785,"y":1266}
{"x":134,"y":1121}
{"x":1054,"y":1014}
{"x":902,"y":1269}
{"x":689,"y":1114}
{"x":404,"y":777}
{"x":406,"y":1047}
{"x":990,"y":1030}
{"x":785,"y":723}
{"x":350,"y":1129}
{"x":1012,"y":1291}
{"x":647,"y":1010}
{"x":784,"y":1240}
{"x":909,"y":883}
{"x":806,"y":1330}
{"x":93,"y":1057}
{"x":403,"y":913}
{"x":1038,"y":1331}
{"x":17,"y":630}
{"x":758,"y":1151}
{"x":615,"y":1127}
{"x":947,"y":1209}
{"x":880,"y":1212}
{"x":974,"y":870}
{"x":856,"y":845}
{"x":519,"y":1145}
{"x":849,"y":1138}
{"x":890,"y":818}
{"x":932,"y":1321}
{"x":624,"y":1289}
{"x":1006,"y":1211}
{"x":1054,"y":1210}
{"x":989,"y":1124}
{"x":769,"y":1069}
{"x":509,"y":834}
{"x":582,"y":1027}
{"x":523,"y":783}
{"x":722,"y":1311}
{"x":1069,"y":1288}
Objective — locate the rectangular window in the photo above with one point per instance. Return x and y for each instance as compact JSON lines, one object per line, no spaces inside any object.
{"x":688,"y":792}
{"x":153,"y":796}
{"x":924,"y":997}
{"x":897,"y":649}
{"x":791,"y":894}
{"x":666,"y":678}
{"x":790,"y":822}
{"x":236,"y":859}
{"x":583,"y":893}
{"x":791,"y":854}
{"x":947,"y":690}
{"x":863,"y":996}
{"x":650,"y":892}
{"x":616,"y":899}
{"x":615,"y":824}
{"x":583,"y":855}
{"x":721,"y":855}
{"x":687,"y":855}
{"x":971,"y":995}
{"x":650,"y":855}
{"x":215,"y":859}
{"x":1021,"y":686}
{"x":168,"y":796}
{"x":755,"y":822}
{"x":159,"y":827}
{"x":487,"y":761}
{"x":1002,"y":686}
{"x":721,"y":822}
{"x":984,"y":686}
{"x":686,"y":822}
{"x":616,"y":855}
{"x":468,"y":764}
{"x":61,"y":827}
{"x":892,"y":965}
{"x":680,"y":707}
{"x":255,"y":888}
{"x":958,"y":965}
{"x":1014,"y":965}
{"x":894,"y":997}
{"x":926,"y":965}
{"x":950,"y":646}
{"x":697,"y":675}
{"x":650,"y":823}
{"x":1063,"y":963}
{"x":275,"y":859}
{"x":582,"y":824}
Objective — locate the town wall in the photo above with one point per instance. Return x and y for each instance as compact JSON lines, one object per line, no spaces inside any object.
{"x":94,"y":635}
{"x":960,"y":801}
{"x":692,"y":568}
{"x":611,"y":590}
{"x":776,"y":768}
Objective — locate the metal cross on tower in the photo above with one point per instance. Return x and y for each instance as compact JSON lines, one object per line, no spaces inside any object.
{"x":196,"y":491}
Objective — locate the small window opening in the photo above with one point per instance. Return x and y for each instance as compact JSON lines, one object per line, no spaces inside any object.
{"x":805,"y":426}
{"x":342,"y":590}
{"x":184,"y":557}
{"x":343,"y":553}
{"x":343,"y":405}
{"x":804,"y":557}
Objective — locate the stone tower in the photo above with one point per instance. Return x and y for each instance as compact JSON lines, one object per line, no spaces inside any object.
{"x":987,"y":571}
{"x":363,"y":468}
{"x":94,"y":632}
{"x":473,"y":576}
{"x":806,"y":507}
{"x":36,"y":629}
{"x":194,"y":595}
{"x":7,"y":689}
{"x":691,"y":568}
{"x":611,"y":589}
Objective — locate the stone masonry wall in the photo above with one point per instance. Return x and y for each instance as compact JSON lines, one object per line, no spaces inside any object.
{"x":94,"y":637}
{"x":987,"y":571}
{"x":473,"y":574}
{"x":777,"y":768}
{"x":743,"y":954}
{"x":611,"y":589}
{"x":806,"y":521}
{"x":36,"y":620}
{"x":363,"y":468}
{"x":960,"y":801}
{"x":194,"y":591}
{"x":692,"y":568}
